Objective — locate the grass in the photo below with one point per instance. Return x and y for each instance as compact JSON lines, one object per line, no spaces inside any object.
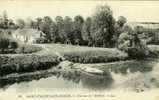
{"x":27,"y":49}
{"x":82,"y":54}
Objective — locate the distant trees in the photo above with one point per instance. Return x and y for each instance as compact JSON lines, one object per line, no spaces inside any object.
{"x":97,"y":30}
{"x":5,"y":22}
{"x":100,"y":29}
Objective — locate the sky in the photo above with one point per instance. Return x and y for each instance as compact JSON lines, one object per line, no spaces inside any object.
{"x":138,"y":11}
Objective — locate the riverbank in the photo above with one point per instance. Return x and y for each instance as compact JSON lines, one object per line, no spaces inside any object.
{"x":21,"y":63}
{"x":48,"y":57}
{"x":124,"y":74}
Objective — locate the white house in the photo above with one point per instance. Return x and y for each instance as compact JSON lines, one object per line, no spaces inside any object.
{"x":27,"y":35}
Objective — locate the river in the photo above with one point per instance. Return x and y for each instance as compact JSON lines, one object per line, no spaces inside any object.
{"x":136,"y":76}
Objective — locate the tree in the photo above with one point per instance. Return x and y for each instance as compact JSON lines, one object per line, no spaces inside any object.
{"x":124,"y":40}
{"x":68,"y":29}
{"x":60,"y":26}
{"x":130,"y":42}
{"x":121,"y":21}
{"x":103,"y":26}
{"x":77,"y":29}
{"x":5,"y":20}
{"x":38,"y":22}
{"x":54,"y":33}
{"x":86,"y":31}
{"x":119,"y":28}
{"x":45,"y":26}
{"x":20,"y":23}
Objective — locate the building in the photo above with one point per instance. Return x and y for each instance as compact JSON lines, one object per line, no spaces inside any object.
{"x":28,"y":36}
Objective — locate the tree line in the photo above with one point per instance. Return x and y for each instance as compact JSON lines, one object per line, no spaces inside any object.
{"x":100,"y":30}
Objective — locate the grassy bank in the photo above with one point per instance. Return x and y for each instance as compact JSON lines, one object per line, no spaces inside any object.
{"x":17,"y":63}
{"x":81,"y":54}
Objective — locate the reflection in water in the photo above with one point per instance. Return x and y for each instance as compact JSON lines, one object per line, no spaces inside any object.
{"x":137,"y":74}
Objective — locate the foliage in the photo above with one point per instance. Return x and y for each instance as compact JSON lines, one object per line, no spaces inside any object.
{"x":77,"y":29}
{"x":121,"y":21}
{"x":86,"y":31}
{"x":130,"y":42}
{"x":103,"y":26}
{"x":100,"y":29}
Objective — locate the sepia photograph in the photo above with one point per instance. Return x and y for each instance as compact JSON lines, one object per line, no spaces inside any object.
{"x":79,"y":49}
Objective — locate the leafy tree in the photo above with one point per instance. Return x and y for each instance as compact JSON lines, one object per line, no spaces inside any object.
{"x":130,"y":42}
{"x":103,"y":26}
{"x":121,"y":21}
{"x":68,"y":29}
{"x":86,"y":31}
{"x":4,"y":41}
{"x":38,"y":22}
{"x":77,"y":29}
{"x":5,"y":20}
{"x":60,"y":26}
{"x":54,"y":33}
{"x":45,"y":27}
{"x":119,"y":28}
{"x":124,"y":41}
